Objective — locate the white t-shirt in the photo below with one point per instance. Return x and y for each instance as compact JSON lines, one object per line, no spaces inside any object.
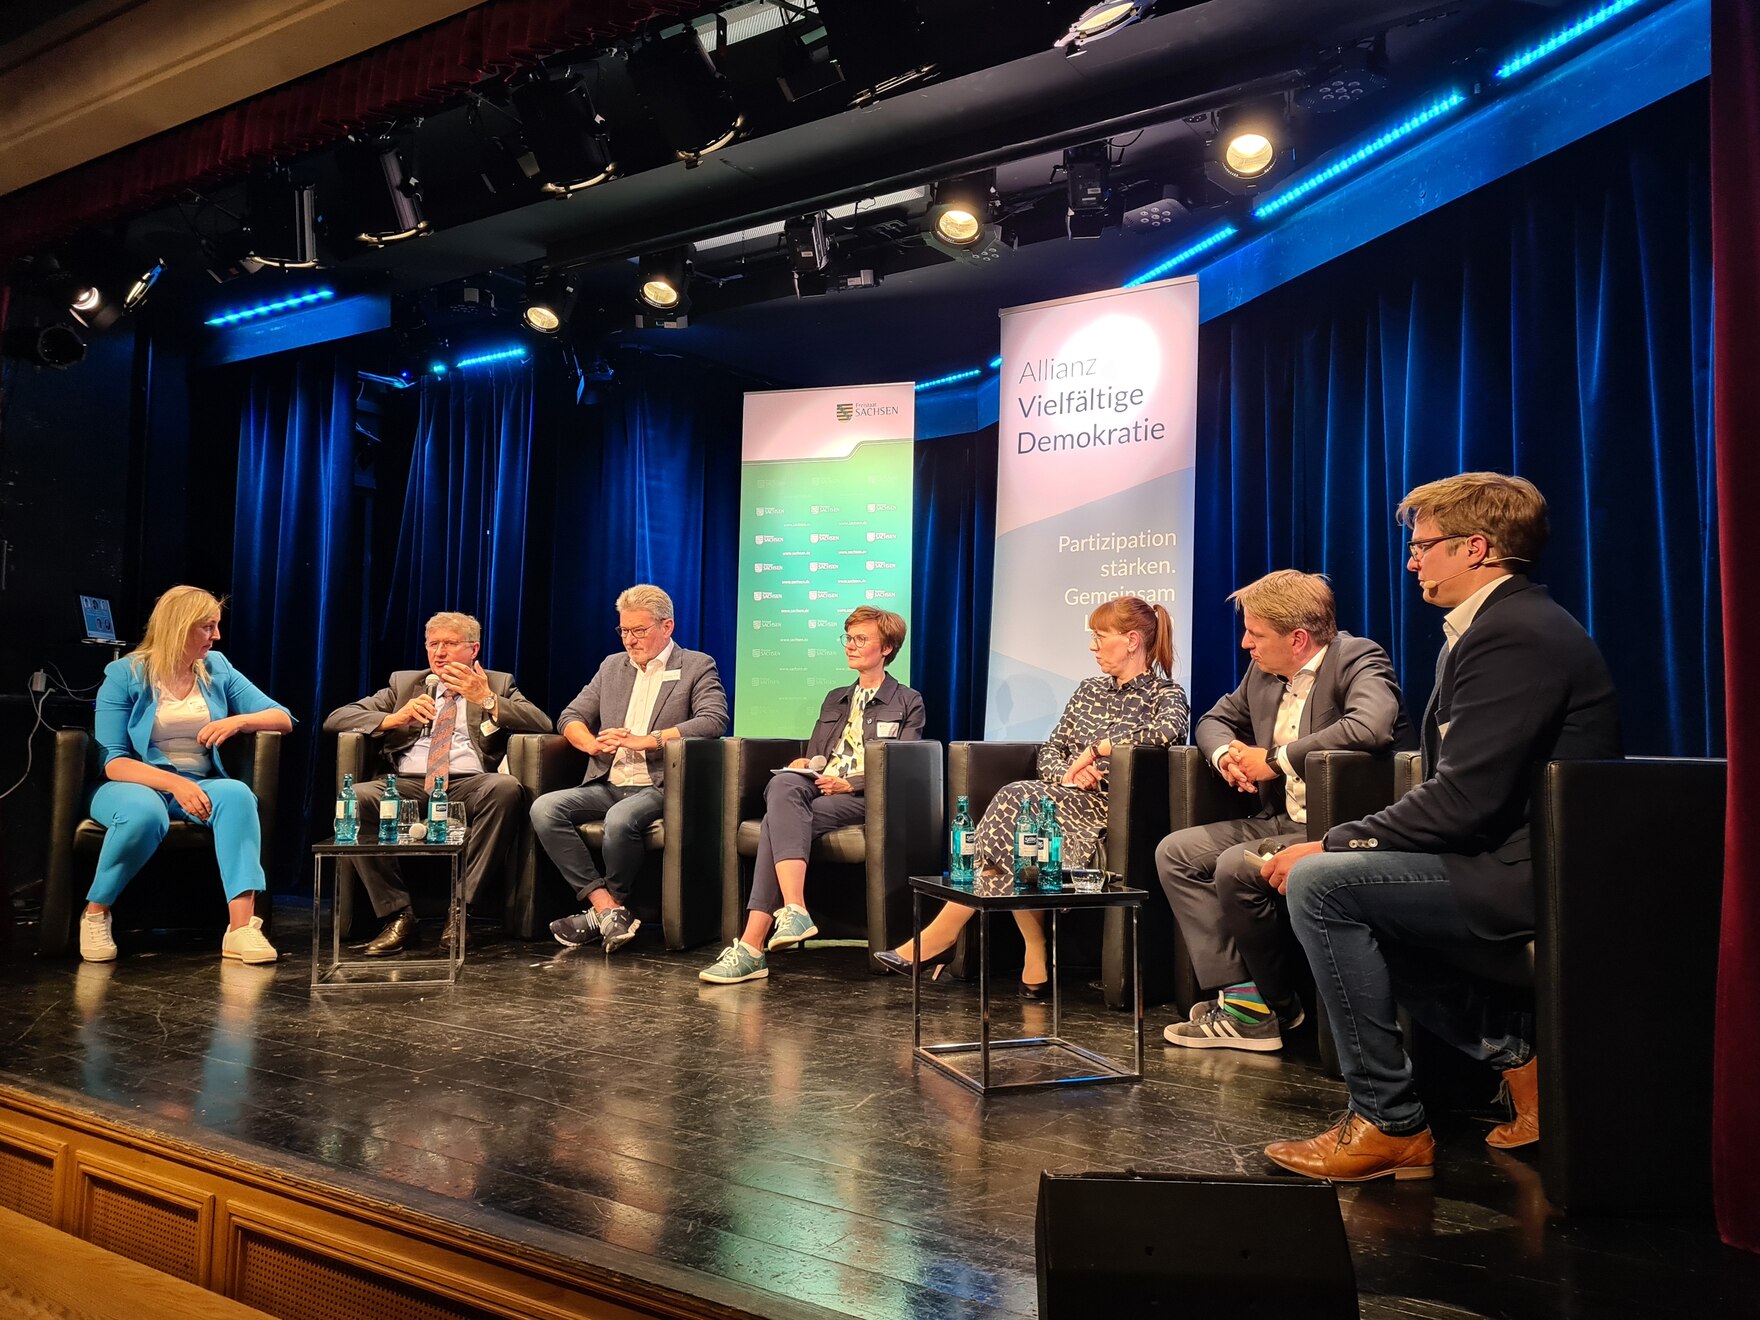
{"x":175,"y":725}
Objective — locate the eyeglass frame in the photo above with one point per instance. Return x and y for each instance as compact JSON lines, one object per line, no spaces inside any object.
{"x":634,"y":634}
{"x":1416,"y":549}
{"x":850,"y":639}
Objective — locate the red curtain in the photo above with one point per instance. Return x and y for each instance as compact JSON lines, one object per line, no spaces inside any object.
{"x":1735,"y":256}
{"x":420,"y":70}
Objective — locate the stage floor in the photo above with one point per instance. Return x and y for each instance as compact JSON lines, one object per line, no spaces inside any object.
{"x":773,"y":1141}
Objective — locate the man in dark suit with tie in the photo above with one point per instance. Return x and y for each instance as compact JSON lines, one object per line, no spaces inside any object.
{"x":1310,"y":688}
{"x":1393,"y":901}
{"x":450,"y":719}
{"x":643,"y":697}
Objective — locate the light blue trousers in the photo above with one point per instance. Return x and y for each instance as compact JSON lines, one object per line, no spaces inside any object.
{"x":135,"y":819}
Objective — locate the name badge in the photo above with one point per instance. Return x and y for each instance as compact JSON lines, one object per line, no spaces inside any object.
{"x":671,"y":675}
{"x":886,"y":729}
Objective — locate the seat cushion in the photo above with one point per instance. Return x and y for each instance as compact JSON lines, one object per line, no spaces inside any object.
{"x":88,"y":839}
{"x":847,"y":843}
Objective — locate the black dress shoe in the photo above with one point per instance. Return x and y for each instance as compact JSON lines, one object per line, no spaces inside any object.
{"x":1035,"y":989}
{"x":455,"y":919}
{"x":396,"y":934}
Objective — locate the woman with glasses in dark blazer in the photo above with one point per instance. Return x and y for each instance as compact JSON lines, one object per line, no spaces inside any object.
{"x":820,"y":792}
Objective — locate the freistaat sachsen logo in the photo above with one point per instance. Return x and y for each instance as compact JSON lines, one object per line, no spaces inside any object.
{"x":845,"y":411}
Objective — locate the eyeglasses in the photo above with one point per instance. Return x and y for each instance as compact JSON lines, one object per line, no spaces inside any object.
{"x":1103,"y":636}
{"x":634,"y":634}
{"x":1416,"y":548}
{"x":852,"y":642}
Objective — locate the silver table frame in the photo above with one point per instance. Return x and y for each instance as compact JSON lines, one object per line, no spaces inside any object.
{"x":1101,"y":1069}
{"x":346,"y":973}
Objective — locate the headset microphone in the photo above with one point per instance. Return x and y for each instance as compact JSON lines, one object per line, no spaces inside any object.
{"x":1430,"y":584}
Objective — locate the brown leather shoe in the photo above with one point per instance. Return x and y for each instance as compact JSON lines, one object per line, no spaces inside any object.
{"x":396,"y":934}
{"x":1357,"y":1151}
{"x":454,"y":931}
{"x":1523,"y":1087}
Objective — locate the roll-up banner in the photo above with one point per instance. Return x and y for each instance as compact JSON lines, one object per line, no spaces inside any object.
{"x":1094,"y":489}
{"x":825,"y":526}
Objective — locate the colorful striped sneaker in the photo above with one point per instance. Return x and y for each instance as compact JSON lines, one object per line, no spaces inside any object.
{"x":736,"y":963}
{"x":1218,"y":1029}
{"x":792,"y":927}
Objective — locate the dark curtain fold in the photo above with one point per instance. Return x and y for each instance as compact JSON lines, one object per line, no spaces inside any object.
{"x":953,"y":554}
{"x":462,"y":541}
{"x":1555,"y":325}
{"x":294,"y":616}
{"x":1735,"y":224}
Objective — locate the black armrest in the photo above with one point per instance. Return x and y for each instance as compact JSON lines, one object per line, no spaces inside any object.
{"x":976,"y":770}
{"x":74,"y":748}
{"x":353,"y":751}
{"x":904,"y":830}
{"x":1348,"y":786}
{"x":1137,"y":807}
{"x":691,"y":891}
{"x":746,"y":767}
{"x":545,"y":762}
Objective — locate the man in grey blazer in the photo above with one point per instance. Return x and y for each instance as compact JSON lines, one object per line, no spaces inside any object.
{"x":642,"y":698}
{"x":473,"y":710}
{"x":1310,"y":688}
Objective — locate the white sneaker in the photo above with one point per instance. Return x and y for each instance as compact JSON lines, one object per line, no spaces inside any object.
{"x":95,"y":944}
{"x":247,"y":944}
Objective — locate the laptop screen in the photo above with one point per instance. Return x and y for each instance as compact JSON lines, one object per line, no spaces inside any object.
{"x":99,"y":625}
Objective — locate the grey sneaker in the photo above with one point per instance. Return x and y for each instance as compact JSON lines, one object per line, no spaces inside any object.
{"x":735,"y":965}
{"x":1289,"y":1015}
{"x":1218,"y":1029}
{"x":792,"y":928}
{"x":577,"y":929}
{"x":617,"y":927}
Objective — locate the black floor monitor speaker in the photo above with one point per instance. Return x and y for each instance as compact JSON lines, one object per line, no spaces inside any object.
{"x":1128,"y":1244}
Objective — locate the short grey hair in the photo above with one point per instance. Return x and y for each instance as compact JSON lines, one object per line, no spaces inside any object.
{"x":646,"y":596}
{"x":463,"y":624}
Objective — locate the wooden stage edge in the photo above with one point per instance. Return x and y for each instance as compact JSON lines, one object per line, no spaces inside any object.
{"x":291,"y":1240}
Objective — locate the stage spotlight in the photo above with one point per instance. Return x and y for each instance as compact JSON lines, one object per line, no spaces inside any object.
{"x":384,"y":198}
{"x":1087,"y":172}
{"x":87,"y":298}
{"x":665,"y":280}
{"x":57,"y":346}
{"x":142,"y":286}
{"x":962,"y":208}
{"x":1250,"y":144}
{"x":549,"y":303}
{"x":563,"y":131}
{"x":1100,"y":20}
{"x":1346,"y":78}
{"x":809,"y":251}
{"x":280,"y":229}
{"x":687,"y":98}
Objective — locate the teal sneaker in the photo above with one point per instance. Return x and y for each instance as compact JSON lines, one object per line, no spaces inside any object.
{"x":735,"y":965}
{"x":792,"y":928}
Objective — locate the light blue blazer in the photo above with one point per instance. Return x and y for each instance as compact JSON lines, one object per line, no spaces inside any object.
{"x":127,"y":704}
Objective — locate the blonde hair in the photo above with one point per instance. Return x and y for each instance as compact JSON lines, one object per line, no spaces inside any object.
{"x":1509,"y":512}
{"x":160,"y":654}
{"x":1289,"y":599}
{"x":1134,"y":614}
{"x":462,"y":624}
{"x":646,"y":596}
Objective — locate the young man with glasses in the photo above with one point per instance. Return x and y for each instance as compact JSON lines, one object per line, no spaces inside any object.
{"x":823,"y":794}
{"x":1390,"y":906}
{"x":643,"y":697}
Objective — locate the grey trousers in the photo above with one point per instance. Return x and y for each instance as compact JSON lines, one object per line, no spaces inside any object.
{"x":493,"y":805}
{"x":795,"y":813}
{"x":1226,"y":912}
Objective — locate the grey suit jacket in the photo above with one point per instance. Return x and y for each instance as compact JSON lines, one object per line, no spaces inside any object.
{"x":1354,"y":706}
{"x":691,"y":700}
{"x":513,"y":714}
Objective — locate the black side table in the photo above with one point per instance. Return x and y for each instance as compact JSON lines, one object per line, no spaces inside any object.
{"x":340,"y":971}
{"x":1010,"y":897}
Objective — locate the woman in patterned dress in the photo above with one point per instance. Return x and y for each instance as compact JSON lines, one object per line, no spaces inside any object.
{"x":1133,"y":700}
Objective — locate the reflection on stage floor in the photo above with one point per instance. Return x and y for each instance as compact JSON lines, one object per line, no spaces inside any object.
{"x":775,"y":1135}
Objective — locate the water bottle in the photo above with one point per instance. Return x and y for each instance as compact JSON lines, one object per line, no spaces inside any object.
{"x":1026,"y":843}
{"x":438,"y":807}
{"x":388,"y":806}
{"x":1050,"y":847}
{"x":347,"y":823}
{"x":962,"y":845}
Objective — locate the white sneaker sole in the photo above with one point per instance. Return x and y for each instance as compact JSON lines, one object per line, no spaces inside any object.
{"x":614,"y":943}
{"x":712,"y":979}
{"x":789,"y":941}
{"x":99,"y":955}
{"x":1263,"y":1046}
{"x":252,"y":960}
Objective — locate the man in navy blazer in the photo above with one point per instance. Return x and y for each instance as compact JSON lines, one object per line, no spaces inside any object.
{"x":1393,"y":902}
{"x":1310,"y":688}
{"x":643,"y":697}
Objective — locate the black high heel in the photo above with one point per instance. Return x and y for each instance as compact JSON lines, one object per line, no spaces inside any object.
{"x":895,"y":965}
{"x":1035,"y":989}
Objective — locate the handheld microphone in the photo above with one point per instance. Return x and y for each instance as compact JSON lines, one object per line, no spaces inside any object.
{"x":817,"y":765}
{"x":432,"y":684}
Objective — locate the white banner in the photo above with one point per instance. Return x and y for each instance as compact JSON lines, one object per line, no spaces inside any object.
{"x":1094,"y":493}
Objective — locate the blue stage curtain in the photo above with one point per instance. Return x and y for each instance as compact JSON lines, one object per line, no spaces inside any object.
{"x":1556,"y":325}
{"x":294,"y":624}
{"x":953,"y":554}
{"x":461,"y":543}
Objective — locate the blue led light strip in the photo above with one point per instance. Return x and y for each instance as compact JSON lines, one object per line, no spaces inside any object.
{"x":270,"y":308}
{"x":1564,"y":36}
{"x":1182,"y":256}
{"x":1377,"y":144}
{"x":483,"y":359}
{"x":950,"y":379}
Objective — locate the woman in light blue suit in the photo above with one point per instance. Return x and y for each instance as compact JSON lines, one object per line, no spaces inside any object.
{"x":163,"y":711}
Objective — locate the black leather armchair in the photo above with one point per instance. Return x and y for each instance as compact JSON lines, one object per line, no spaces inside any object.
{"x":901,"y":837}
{"x":685,"y":842}
{"x":169,"y":892}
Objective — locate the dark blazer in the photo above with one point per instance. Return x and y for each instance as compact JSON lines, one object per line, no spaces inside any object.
{"x":1524,"y":685}
{"x":513,"y":714}
{"x":897,"y":707}
{"x":1354,"y":706}
{"x":691,"y":700}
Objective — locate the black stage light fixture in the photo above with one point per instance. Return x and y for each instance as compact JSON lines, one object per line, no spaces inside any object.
{"x":686,"y":96}
{"x":143,"y":285}
{"x":1087,"y":171}
{"x":550,"y":301}
{"x":384,"y":198}
{"x":879,"y":45}
{"x":809,"y":251}
{"x":563,"y":132}
{"x":1101,"y":20}
{"x":1346,"y":77}
{"x":1250,"y":145}
{"x":664,"y":285}
{"x":56,"y":345}
{"x":280,"y":225}
{"x":961,"y":220}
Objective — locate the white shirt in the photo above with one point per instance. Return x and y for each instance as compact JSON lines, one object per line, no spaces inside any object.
{"x":175,"y":725}
{"x":1460,"y":618}
{"x":465,"y":760}
{"x":1285,"y":729}
{"x":630,"y":766}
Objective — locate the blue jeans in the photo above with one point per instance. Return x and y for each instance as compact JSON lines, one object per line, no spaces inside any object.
{"x":627,"y":813}
{"x":1379,"y":927}
{"x":136,"y":818}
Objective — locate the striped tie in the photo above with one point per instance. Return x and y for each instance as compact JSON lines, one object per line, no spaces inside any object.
{"x":440,"y":743}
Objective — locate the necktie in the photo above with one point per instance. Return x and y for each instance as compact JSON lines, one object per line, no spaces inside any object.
{"x":440,"y":742}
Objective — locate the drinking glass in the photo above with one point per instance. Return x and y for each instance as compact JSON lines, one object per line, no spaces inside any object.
{"x":455,"y":823}
{"x":412,"y":820}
